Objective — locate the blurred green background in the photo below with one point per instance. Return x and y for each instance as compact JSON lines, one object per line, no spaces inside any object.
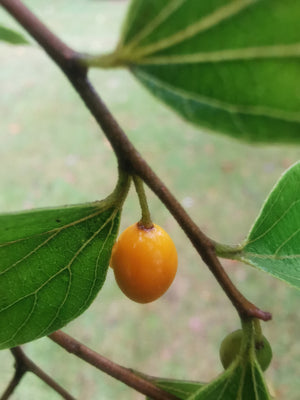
{"x":53,"y":153}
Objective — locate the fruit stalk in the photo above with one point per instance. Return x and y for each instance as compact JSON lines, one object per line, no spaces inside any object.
{"x":146,"y":221}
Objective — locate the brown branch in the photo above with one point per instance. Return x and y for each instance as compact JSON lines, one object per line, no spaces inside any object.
{"x":122,"y":374}
{"x":20,"y":370}
{"x":23,"y":364}
{"x":127,"y":155}
{"x":130,"y":159}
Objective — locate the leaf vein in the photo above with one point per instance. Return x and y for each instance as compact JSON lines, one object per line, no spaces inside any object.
{"x":58,"y":272}
{"x":261,"y":219}
{"x":155,"y":23}
{"x":97,"y":262}
{"x":73,"y":223}
{"x":29,"y":254}
{"x":24,"y":322}
{"x":205,"y":23}
{"x":68,"y":267}
{"x":286,"y":241}
{"x":216,"y":103}
{"x":294,"y":203}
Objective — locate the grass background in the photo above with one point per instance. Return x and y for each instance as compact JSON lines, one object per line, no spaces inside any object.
{"x":53,"y":153}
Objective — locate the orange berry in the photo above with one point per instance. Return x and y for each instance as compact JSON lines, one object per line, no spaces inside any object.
{"x":144,"y":262}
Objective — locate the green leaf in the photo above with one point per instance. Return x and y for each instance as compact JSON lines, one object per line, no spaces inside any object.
{"x":243,"y":380}
{"x":53,"y":264}
{"x":179,"y":388}
{"x":11,"y":36}
{"x":230,"y":66}
{"x":273,"y":244}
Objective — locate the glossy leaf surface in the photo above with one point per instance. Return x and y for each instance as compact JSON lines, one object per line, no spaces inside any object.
{"x":53,"y":262}
{"x":10,"y":36}
{"x":231,"y":66}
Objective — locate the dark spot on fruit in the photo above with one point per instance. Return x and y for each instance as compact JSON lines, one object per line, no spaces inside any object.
{"x":259,"y":345}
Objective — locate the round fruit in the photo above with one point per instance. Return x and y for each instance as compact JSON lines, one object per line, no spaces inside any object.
{"x":144,"y":262}
{"x":263,"y":352}
{"x":230,"y":348}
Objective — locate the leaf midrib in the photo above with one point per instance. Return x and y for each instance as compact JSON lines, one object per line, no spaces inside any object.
{"x":246,"y":53}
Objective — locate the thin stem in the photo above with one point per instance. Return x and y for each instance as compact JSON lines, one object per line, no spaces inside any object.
{"x":146,"y":221}
{"x":128,"y":157}
{"x":259,"y":337}
{"x":257,"y":328}
{"x":115,"y":370}
{"x":20,"y":371}
{"x":23,"y":364}
{"x":248,"y":337}
{"x":227,"y":251}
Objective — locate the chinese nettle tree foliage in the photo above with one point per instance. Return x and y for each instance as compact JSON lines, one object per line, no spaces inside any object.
{"x":229,"y":66}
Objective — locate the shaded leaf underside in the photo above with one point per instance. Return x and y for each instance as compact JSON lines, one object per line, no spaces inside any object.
{"x":53,"y":262}
{"x":181,"y":389}
{"x":231,"y":66}
{"x":239,"y":382}
{"x":273,"y":243}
